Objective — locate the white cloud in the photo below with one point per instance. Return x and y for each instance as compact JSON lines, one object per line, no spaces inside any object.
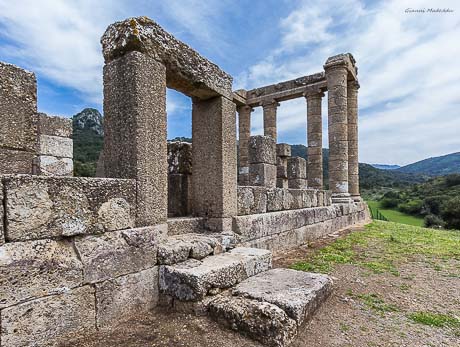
{"x":408,"y":71}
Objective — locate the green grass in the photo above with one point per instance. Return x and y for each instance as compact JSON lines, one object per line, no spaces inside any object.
{"x":376,"y":303}
{"x":435,"y":319}
{"x":382,"y":246}
{"x":395,"y":216}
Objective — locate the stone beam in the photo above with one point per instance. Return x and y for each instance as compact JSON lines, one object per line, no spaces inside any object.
{"x":286,"y":90}
{"x":187,"y":71}
{"x":344,"y":60}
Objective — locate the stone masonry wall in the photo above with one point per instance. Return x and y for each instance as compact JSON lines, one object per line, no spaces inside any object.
{"x":70,"y":259}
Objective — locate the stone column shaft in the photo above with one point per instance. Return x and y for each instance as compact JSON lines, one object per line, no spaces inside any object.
{"x":135,"y":131}
{"x":269,"y":109}
{"x":315,"y":140}
{"x":353,"y":162}
{"x":244,"y":128}
{"x":336,"y":76}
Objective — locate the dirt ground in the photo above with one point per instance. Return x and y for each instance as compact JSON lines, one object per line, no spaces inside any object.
{"x":365,"y":309}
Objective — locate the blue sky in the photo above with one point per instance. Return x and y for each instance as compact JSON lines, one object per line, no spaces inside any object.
{"x":408,"y":62}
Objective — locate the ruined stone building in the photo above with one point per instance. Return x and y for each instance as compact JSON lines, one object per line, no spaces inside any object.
{"x":179,"y":226}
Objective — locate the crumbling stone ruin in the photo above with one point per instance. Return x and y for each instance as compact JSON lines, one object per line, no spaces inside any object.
{"x":169,"y":227}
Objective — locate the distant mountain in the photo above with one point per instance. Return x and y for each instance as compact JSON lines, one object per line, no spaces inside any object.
{"x":88,"y":137}
{"x":385,"y":166}
{"x":437,"y":166}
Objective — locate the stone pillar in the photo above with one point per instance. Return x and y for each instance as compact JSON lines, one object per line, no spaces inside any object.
{"x":214,"y":161}
{"x":135,"y":131}
{"x":179,"y":178}
{"x":244,"y":127}
{"x":314,"y":140}
{"x":262,"y":161}
{"x":297,"y":173}
{"x":269,"y":108}
{"x":283,"y":152}
{"x":353,"y":162}
{"x":336,"y":76}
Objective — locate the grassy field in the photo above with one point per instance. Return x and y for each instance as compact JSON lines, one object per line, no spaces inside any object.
{"x":396,"y":216}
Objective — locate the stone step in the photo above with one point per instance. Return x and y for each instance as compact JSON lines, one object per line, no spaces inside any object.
{"x":179,"y":248}
{"x":193,"y":279}
{"x":271,"y":306}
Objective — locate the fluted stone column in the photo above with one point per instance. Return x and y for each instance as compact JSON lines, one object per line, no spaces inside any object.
{"x":244,"y":127}
{"x":336,"y":76}
{"x":269,"y":108}
{"x":314,"y":139}
{"x":353,"y":163}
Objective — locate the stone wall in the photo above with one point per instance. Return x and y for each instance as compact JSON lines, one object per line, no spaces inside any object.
{"x":71,"y":260}
{"x":283,"y":230}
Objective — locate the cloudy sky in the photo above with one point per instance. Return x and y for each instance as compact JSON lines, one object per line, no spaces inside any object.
{"x":409,"y":65}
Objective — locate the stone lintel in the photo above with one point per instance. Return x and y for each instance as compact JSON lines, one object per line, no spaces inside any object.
{"x":187,"y":71}
{"x":285,"y":90}
{"x":344,"y":59}
{"x":239,"y":97}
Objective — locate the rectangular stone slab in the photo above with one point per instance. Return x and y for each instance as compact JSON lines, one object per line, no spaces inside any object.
{"x":54,"y":125}
{"x":126,"y":298}
{"x":13,"y":161}
{"x":298,"y":293}
{"x":191,"y":280}
{"x":30,"y":270}
{"x":45,"y":207}
{"x":56,"y":146}
{"x":49,"y":321}
{"x":187,"y":71}
{"x":118,"y":253}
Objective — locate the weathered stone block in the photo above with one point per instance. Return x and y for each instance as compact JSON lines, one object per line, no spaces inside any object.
{"x":283,"y":150}
{"x":42,"y":207}
{"x":2,"y":231}
{"x":13,"y":161}
{"x":262,"y":175}
{"x":281,"y":171}
{"x":54,"y":125}
{"x":297,"y":183}
{"x":53,"y":166}
{"x":18,"y":107}
{"x":262,"y":149}
{"x":252,"y":200}
{"x":297,"y":167}
{"x":49,"y":321}
{"x":261,"y":321}
{"x":298,"y":293}
{"x":126,"y":298}
{"x":118,"y":253}
{"x":179,"y":195}
{"x":188,"y":71}
{"x":193,"y":279}
{"x":282,"y":183}
{"x":30,"y":270}
{"x":185,"y":225}
{"x":179,"y":158}
{"x":56,"y":146}
{"x":278,"y":199}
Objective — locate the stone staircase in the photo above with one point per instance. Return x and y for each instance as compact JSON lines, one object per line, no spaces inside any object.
{"x":238,"y":288}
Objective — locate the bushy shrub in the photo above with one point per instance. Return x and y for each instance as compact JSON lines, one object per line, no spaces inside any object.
{"x":433,"y":221}
{"x":450,"y":212}
{"x":432,"y":204}
{"x":389,"y":202}
{"x":413,"y":207}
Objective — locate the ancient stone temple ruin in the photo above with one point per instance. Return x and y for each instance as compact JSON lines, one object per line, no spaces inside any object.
{"x":169,"y":226}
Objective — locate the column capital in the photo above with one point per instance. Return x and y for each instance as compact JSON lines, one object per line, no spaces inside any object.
{"x":355,"y":84}
{"x":269,"y":103}
{"x":313,"y":93}
{"x":244,"y":109}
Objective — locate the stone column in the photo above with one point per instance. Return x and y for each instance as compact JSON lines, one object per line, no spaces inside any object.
{"x":336,"y":76}
{"x":269,"y":108}
{"x":244,"y":127}
{"x":135,"y":131}
{"x":214,"y":161}
{"x":353,"y":163}
{"x":314,"y":139}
